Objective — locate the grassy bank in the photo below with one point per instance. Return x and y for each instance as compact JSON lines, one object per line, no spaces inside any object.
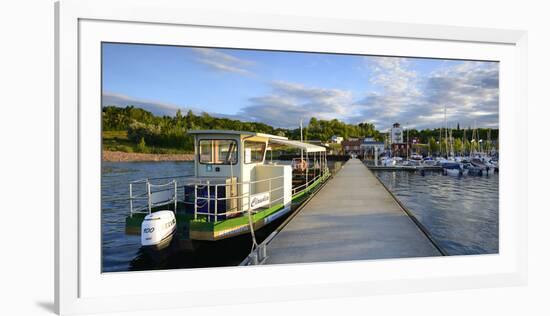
{"x":118,"y":156}
{"x":117,"y":147}
{"x":117,"y":141}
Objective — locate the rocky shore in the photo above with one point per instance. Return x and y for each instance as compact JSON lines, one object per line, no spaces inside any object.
{"x":123,"y":156}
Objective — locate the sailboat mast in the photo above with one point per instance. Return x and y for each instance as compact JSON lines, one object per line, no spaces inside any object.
{"x":474,"y":140}
{"x":407,"y":147}
{"x":489,"y":145}
{"x":463,"y":139}
{"x":451,"y":142}
{"x":473,"y":147}
{"x":477,"y":141}
{"x":440,"y":131}
{"x":446,"y":135}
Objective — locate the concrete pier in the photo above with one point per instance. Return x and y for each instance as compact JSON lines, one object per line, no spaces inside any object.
{"x":352,"y":218}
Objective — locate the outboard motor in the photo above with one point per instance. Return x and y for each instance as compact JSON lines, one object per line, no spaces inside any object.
{"x":158,"y":228}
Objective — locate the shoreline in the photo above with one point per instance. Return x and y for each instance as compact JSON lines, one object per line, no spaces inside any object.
{"x":120,"y":156}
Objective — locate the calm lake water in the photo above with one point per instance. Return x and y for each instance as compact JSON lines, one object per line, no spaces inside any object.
{"x":461,"y":213}
{"x":118,"y":248}
{"x":122,"y":252}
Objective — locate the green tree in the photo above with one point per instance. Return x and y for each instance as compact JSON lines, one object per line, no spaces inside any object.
{"x":467,"y":146}
{"x":433,"y":146}
{"x":142,"y":148}
{"x":457,"y":146}
{"x":161,"y":132}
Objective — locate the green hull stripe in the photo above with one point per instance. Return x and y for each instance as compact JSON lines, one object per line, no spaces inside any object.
{"x":133,"y":224}
{"x":203,"y":226}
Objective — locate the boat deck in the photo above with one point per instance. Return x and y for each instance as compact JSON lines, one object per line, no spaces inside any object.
{"x":352,"y":218}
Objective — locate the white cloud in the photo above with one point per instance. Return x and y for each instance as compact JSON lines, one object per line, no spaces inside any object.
{"x":469,"y":90}
{"x":289,"y":103}
{"x":224,"y":62}
{"x":155,"y":107}
{"x":396,"y":90}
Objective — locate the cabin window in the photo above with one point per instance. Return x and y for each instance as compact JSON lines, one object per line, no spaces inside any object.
{"x":254,"y":152}
{"x":218,"y":151}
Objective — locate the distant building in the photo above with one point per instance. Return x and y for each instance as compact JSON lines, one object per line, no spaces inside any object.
{"x":397,"y":142}
{"x":336,"y":139}
{"x":352,"y":146}
{"x":399,"y":150}
{"x":396,"y":134}
{"x":369,"y":146}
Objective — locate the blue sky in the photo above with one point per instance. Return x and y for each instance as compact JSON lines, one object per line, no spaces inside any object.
{"x":280,"y":88}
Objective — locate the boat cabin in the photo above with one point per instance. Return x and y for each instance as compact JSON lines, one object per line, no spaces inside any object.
{"x":232,"y":178}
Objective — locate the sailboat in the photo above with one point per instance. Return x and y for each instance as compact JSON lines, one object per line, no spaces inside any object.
{"x":479,"y":162}
{"x":449,"y":165}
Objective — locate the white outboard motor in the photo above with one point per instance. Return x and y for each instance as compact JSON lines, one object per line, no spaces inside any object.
{"x":158,"y":228}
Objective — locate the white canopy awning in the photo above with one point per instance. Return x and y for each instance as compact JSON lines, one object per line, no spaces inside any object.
{"x":308,"y":148}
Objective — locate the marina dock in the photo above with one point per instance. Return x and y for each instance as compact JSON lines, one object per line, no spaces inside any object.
{"x":352,"y":218}
{"x":405,"y":168}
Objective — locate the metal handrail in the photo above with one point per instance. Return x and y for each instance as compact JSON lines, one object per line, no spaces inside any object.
{"x":160,"y":178}
{"x":246,"y":196}
{"x":234,"y":197}
{"x":202,"y":201}
{"x":228,"y":211}
{"x":307,"y":184}
{"x":147,"y":196}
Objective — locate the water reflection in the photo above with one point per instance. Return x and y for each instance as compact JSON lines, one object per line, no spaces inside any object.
{"x":123,"y":252}
{"x":460,"y":212}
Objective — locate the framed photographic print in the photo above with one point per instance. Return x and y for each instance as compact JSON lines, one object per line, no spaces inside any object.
{"x":202,"y":155}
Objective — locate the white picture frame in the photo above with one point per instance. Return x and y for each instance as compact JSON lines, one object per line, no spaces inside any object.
{"x":81,"y":288}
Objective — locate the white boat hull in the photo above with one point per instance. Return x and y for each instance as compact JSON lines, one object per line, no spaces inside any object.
{"x":453,"y":172}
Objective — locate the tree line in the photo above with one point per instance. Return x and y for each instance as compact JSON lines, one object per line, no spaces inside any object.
{"x":423,"y":136}
{"x":144,"y":129}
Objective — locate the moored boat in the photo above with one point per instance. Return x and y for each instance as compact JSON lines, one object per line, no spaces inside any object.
{"x":233,"y":190}
{"x":483,"y":165}
{"x":451,"y":168}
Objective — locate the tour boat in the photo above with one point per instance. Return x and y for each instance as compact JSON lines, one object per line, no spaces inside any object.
{"x":232,"y":192}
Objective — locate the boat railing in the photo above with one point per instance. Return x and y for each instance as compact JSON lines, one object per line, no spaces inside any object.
{"x":242,"y":205}
{"x":138,"y":191}
{"x":155,"y":195}
{"x":244,"y":198}
{"x":303,"y":187}
{"x":207,"y":202}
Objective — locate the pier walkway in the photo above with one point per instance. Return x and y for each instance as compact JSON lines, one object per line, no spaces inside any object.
{"x":352,"y":218}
